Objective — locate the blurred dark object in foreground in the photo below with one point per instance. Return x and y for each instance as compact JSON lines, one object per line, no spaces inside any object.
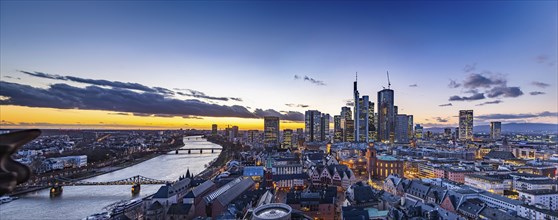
{"x":12,"y":172}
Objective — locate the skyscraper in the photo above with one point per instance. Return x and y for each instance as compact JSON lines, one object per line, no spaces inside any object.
{"x":271,"y":131}
{"x":337,"y":129}
{"x":347,"y":118}
{"x":312,"y":125}
{"x":495,"y":130}
{"x":418,"y":132}
{"x":410,"y":129}
{"x":324,"y":127}
{"x":466,"y":125}
{"x":447,"y":133}
{"x":287,"y":139}
{"x":386,"y":115}
{"x":214,"y":129}
{"x":371,"y":123}
{"x":401,"y":129}
{"x":366,"y":119}
{"x":357,"y":112}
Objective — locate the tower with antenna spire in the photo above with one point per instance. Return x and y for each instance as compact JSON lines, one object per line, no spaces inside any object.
{"x":356,"y":108}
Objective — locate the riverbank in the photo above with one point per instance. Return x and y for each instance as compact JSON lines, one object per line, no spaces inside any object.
{"x":108,"y":169}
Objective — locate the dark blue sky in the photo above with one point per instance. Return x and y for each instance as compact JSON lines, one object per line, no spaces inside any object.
{"x":253,"y":49}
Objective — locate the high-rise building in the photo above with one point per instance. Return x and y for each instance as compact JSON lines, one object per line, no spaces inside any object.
{"x":299,"y":137}
{"x":324,"y":127}
{"x":337,"y":129}
{"x":234,"y":132}
{"x":495,"y":130}
{"x":271,"y":131}
{"x":401,"y":129}
{"x":214,"y":129}
{"x":418,"y":132}
{"x":371,"y":123}
{"x":410,"y":128}
{"x":312,"y":125}
{"x":386,"y":115}
{"x":466,"y":125}
{"x":287,"y":139}
{"x":252,"y":136}
{"x":366,"y":127}
{"x":346,"y":118}
{"x":349,"y":127}
{"x":356,"y":109}
{"x":447,"y":133}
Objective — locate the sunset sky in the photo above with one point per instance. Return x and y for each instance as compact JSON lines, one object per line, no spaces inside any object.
{"x":174,"y":64}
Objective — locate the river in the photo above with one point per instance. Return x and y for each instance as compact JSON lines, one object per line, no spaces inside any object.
{"x":77,"y":202}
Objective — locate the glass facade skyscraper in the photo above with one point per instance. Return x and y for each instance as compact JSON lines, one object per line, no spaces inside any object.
{"x":495,"y":130}
{"x":271,"y":131}
{"x":386,"y":115}
{"x":466,"y":125}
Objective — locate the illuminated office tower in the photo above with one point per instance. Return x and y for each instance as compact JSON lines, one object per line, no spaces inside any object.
{"x":366,"y":125}
{"x":271,"y":131}
{"x":287,"y":139}
{"x":466,"y":125}
{"x":324,"y":127}
{"x":337,"y":129}
{"x":371,"y":123}
{"x":495,"y":130}
{"x":386,"y":116}
{"x":312,"y":125}
{"x":346,"y":119}
{"x":418,"y":132}
{"x":234,"y":132}
{"x":214,"y":129}
{"x":356,"y":109}
{"x":401,"y":129}
{"x":349,"y":126}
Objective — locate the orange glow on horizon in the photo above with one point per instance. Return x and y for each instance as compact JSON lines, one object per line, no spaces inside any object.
{"x":48,"y":118}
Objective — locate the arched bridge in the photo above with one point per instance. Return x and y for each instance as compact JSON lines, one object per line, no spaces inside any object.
{"x":135,"y":182}
{"x":201,"y":150}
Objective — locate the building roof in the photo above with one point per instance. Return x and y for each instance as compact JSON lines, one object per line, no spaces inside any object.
{"x":229,"y":191}
{"x":539,"y":192}
{"x":179,"y":209}
{"x":504,"y":155}
{"x":545,"y":211}
{"x":253,"y":171}
{"x":386,"y":158}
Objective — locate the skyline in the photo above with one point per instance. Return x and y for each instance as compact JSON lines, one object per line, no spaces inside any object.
{"x":242,"y":61}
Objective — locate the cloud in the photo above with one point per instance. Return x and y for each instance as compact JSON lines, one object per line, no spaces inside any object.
{"x":517,"y":116}
{"x":442,"y":120}
{"x":511,"y":92}
{"x":11,"y":77}
{"x":349,"y":102}
{"x":413,"y":85}
{"x":444,"y":105}
{"x":311,"y":80}
{"x":129,"y":85}
{"x":98,"y":82}
{"x":118,"y":113}
{"x":297,"y":105}
{"x":202,"y":95}
{"x":545,"y":59}
{"x":287,"y":115}
{"x":540,"y":84}
{"x":470,"y":68}
{"x":475,"y":80}
{"x":477,"y":96}
{"x":490,"y":102}
{"x":537,"y":93}
{"x":64,"y":96}
{"x":453,"y":84}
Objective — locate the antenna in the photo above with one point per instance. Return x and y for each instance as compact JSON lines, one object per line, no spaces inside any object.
{"x":389,"y":83}
{"x":356,"y":76}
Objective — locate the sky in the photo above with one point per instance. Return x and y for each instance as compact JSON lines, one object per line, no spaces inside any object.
{"x":176,"y":64}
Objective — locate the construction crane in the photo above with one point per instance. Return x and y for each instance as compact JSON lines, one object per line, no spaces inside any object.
{"x":389,"y":83}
